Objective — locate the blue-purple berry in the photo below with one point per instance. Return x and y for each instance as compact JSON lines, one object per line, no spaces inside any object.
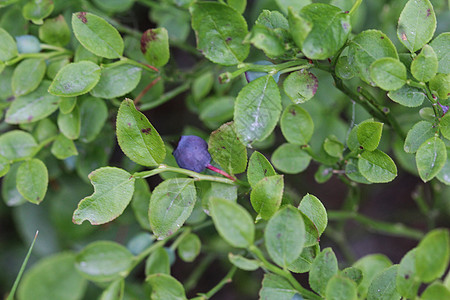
{"x":192,"y":153}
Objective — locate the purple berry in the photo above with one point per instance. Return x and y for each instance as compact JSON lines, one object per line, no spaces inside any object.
{"x":192,"y":153}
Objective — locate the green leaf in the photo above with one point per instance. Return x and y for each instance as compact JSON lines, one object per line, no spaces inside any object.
{"x":97,"y":35}
{"x":330,"y":30}
{"x":369,"y":134}
{"x":416,"y":24}
{"x":258,"y":168}
{"x":32,"y":180}
{"x":165,"y":287}
{"x":440,"y":85}
{"x":36,"y":10}
{"x":63,"y":147}
{"x":70,"y":124}
{"x":444,"y":126}
{"x":340,"y":288}
{"x":171,"y":204}
{"x":370,"y":265}
{"x":141,"y":202}
{"x":218,"y":190}
{"x":113,"y":189}
{"x":322,"y":270}
{"x":202,"y":85}
{"x":344,"y":69}
{"x":441,"y":46}
{"x":54,"y":273}
{"x":75,"y":79}
{"x":408,"y":96}
{"x":55,"y":31}
{"x":175,"y":20}
{"x":300,"y":27}
{"x":276,"y":287}
{"x":376,"y":166}
{"x":257,"y":109}
{"x":435,"y":291}
{"x":354,"y":274}
{"x":189,"y":247}
{"x":367,"y":47}
{"x":296,"y":125}
{"x":155,"y":46}
{"x":430,"y":158}
{"x":388,"y":73}
{"x":158,"y":262}
{"x":104,"y":261}
{"x":67,"y":104}
{"x":315,"y":211}
{"x":93,"y":115}
{"x":16,"y":145}
{"x":383,"y":285}
{"x":238,"y":5}
{"x":107,"y":87}
{"x":243,"y":263}
{"x":266,"y":196}
{"x":233,"y":222}
{"x":407,"y":282}
{"x":214,"y":111}
{"x":114,"y":291}
{"x":352,"y":171}
{"x":220,"y":32}
{"x":10,"y":194}
{"x":298,"y":4}
{"x":417,"y":135}
{"x":290,"y":159}
{"x":137,"y":138}
{"x":4,"y":166}
{"x":332,"y":146}
{"x":425,"y":65}
{"x":300,"y":86}
{"x":32,"y":107}
{"x":8,"y":48}
{"x":285,"y":236}
{"x":432,"y":255}
{"x":303,"y":263}
{"x":227,"y":150}
{"x":28,"y":75}
{"x":444,"y":174}
{"x":267,"y":40}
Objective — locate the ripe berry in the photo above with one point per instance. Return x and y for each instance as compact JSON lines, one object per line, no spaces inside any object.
{"x":192,"y":153}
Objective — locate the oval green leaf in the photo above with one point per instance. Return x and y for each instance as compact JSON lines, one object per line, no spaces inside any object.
{"x":285,"y":236}
{"x":441,"y":45}
{"x":93,"y":115}
{"x":383,"y":285}
{"x":75,"y":79}
{"x":63,"y":147}
{"x":417,"y":135}
{"x":243,"y":263}
{"x":290,"y":159}
{"x":227,"y":150}
{"x":171,"y":204}
{"x":16,"y":145}
{"x":155,"y":46}
{"x":97,"y":35}
{"x":408,"y":96}
{"x":416,"y":24}
{"x":300,"y":86}
{"x":258,"y":168}
{"x":158,"y":262}
{"x":315,"y":211}
{"x":113,"y":189}
{"x":425,"y":65}
{"x":341,"y":288}
{"x":8,"y":48}
{"x":220,"y":32}
{"x":296,"y":125}
{"x":189,"y":248}
{"x":266,"y":196}
{"x":70,"y":124}
{"x":369,"y":134}
{"x":376,"y":166}
{"x":127,"y":75}
{"x":388,"y":73}
{"x":32,"y":180}
{"x":104,"y":261}
{"x":37,"y":10}
{"x":407,"y":282}
{"x":257,"y":109}
{"x":28,"y":75}
{"x":322,"y":270}
{"x":233,"y":222}
{"x":430,"y":158}
{"x":165,"y":287}
{"x":137,"y":138}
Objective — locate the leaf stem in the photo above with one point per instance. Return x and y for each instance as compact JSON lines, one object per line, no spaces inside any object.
{"x":197,"y":176}
{"x":283,"y":273}
{"x":22,"y":269}
{"x":146,"y":89}
{"x":397,"y":229}
{"x":45,"y":55}
{"x":355,"y":7}
{"x":146,"y":253}
{"x":221,"y":172}
{"x":180,"y":238}
{"x":219,"y":286}
{"x":166,"y":97}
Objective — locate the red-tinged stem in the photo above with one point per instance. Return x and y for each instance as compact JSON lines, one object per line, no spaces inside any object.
{"x":152,"y":67}
{"x":146,"y":89}
{"x":212,"y":168}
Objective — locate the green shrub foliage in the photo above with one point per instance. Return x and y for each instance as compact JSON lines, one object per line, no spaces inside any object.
{"x":357,"y":90}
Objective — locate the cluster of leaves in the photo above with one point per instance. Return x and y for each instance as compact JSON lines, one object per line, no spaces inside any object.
{"x":59,"y":91}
